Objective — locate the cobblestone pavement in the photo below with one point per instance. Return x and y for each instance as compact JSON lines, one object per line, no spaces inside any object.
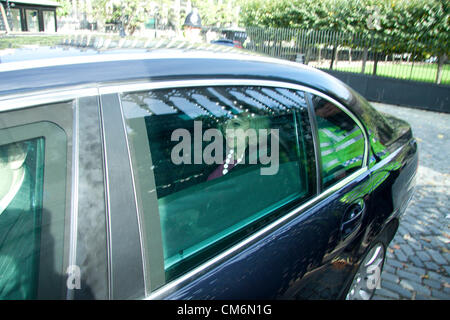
{"x":418,"y":258}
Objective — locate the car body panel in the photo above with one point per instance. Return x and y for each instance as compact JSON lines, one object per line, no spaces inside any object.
{"x":288,"y":262}
{"x":305,"y":256}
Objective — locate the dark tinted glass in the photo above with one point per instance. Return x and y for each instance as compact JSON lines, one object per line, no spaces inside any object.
{"x":34,"y":162}
{"x":21,"y":173}
{"x":341,"y":142}
{"x":226,"y":161}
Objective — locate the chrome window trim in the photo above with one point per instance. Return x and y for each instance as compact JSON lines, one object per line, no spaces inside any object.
{"x":32,"y":99}
{"x":107,"y":200}
{"x":74,"y":201}
{"x":316,"y":142}
{"x":208,"y":265}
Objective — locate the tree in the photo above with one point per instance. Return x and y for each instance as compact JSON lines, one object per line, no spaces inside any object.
{"x":64,"y":8}
{"x":218,"y":13}
{"x":389,"y":26}
{"x":130,"y":14}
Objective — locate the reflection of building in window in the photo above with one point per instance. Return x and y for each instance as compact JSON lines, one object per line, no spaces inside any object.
{"x":21,"y":170}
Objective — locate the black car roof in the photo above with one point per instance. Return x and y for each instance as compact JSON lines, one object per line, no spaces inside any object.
{"x":36,"y":68}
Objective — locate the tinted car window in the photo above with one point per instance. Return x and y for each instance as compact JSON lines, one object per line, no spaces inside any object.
{"x":225,"y":161}
{"x":21,"y":172}
{"x":341,"y":142}
{"x":33,"y":171}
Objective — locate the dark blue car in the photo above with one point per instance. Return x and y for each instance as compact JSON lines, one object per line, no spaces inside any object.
{"x":192,"y":174}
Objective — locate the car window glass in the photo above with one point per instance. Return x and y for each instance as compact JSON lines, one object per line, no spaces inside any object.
{"x":226,"y":161}
{"x":341,"y":141}
{"x":21,"y":172}
{"x":33,"y":175}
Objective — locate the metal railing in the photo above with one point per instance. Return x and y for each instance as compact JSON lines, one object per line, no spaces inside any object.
{"x":349,"y":52}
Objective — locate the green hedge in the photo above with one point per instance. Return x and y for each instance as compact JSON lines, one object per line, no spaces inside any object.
{"x":395,"y":25}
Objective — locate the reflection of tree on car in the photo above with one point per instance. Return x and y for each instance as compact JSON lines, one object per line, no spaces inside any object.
{"x":341,"y":141}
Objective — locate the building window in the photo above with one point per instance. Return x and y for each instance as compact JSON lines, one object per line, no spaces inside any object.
{"x":32,"y":20}
{"x":49,"y":21}
{"x":16,"y":21}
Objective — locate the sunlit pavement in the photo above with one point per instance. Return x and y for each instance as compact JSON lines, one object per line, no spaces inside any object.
{"x":418,"y":258}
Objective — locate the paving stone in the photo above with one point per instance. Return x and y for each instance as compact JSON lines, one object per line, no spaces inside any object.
{"x":400,"y":255}
{"x":388,"y":268}
{"x":414,"y":286}
{"x":380,"y":298}
{"x":423,"y":256}
{"x":446,"y":289}
{"x":436,"y":276}
{"x":432,"y":283}
{"x":417,"y":262}
{"x":420,"y":228}
{"x":447,"y":269}
{"x":408,"y":275}
{"x":407,"y":250}
{"x":394,"y":263}
{"x":390,"y":255}
{"x":436,"y":256}
{"x":396,"y":288}
{"x":419,"y":271}
{"x":402,"y":231}
{"x":432,"y":266}
{"x":422,"y":297}
{"x":387,"y":293}
{"x":440,"y":295}
{"x":415,"y":245}
{"x":405,"y":284}
{"x":390,"y":277}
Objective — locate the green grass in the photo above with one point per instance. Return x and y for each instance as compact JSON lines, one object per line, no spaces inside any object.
{"x":12,"y":41}
{"x":419,"y":71}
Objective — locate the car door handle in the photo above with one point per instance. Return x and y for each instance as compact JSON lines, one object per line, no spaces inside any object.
{"x":352,"y":218}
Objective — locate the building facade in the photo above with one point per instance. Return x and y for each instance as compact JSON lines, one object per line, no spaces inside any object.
{"x":30,"y":15}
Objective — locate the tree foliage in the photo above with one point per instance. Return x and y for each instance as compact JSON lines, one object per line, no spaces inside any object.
{"x":64,"y":8}
{"x":217,"y":13}
{"x":390,"y":24}
{"x":128,"y":13}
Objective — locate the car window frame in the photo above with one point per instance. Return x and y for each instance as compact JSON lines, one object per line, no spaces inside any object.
{"x":143,"y":85}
